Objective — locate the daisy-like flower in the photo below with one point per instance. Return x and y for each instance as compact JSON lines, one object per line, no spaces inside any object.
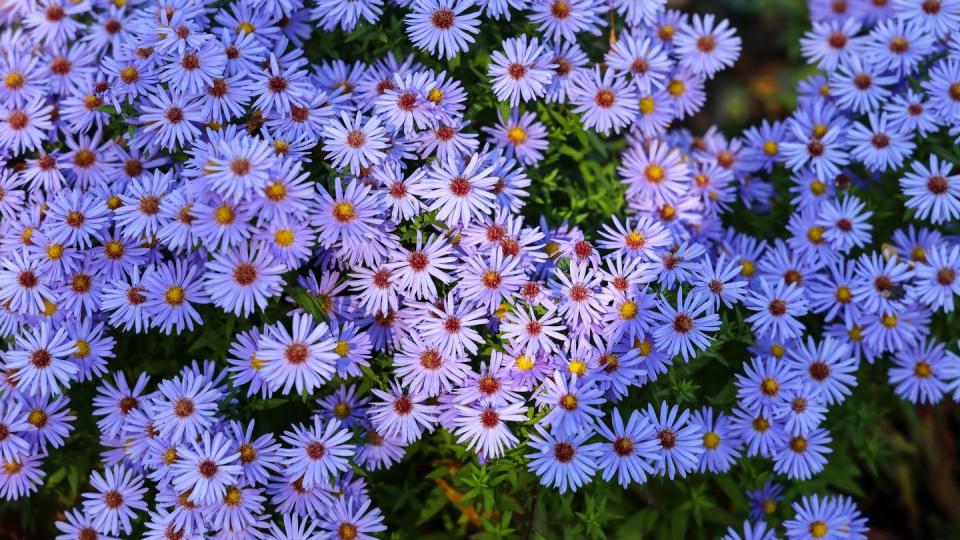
{"x":206,"y":468}
{"x":402,"y":415}
{"x":416,"y":269}
{"x":606,"y":102}
{"x":706,"y":47}
{"x":566,"y":462}
{"x":117,"y":497}
{"x":765,"y":382}
{"x":882,"y":284}
{"x":405,"y":105}
{"x":243,"y":279}
{"x":280,"y":89}
{"x":562,"y":20}
{"x":942,"y":87}
{"x":22,"y":128}
{"x":717,"y":281}
{"x":647,"y":62}
{"x":832,"y":42}
{"x":829,"y":367}
{"x":933,"y":192}
{"x":878,"y":146}
{"x":239,"y":167}
{"x":317,"y":453}
{"x":818,"y":517}
{"x":639,"y":240}
{"x":442,"y":27}
{"x":532,"y":332}
{"x":171,"y":290}
{"x":483,"y":428}
{"x":490,"y":279}
{"x":40,"y":360}
{"x":776,"y":310}
{"x":522,"y":137}
{"x":184,"y":407}
{"x":803,"y":455}
{"x":14,"y":426}
{"x":721,"y":446}
{"x":656,"y":173}
{"x":845,"y":223}
{"x":573,"y":404}
{"x":629,"y":450}
{"x":353,"y":517}
{"x":937,"y":280}
{"x":174,"y":117}
{"x":354,"y":143}
{"x":918,"y":372}
{"x":522,"y":71}
{"x":449,"y":327}
{"x":24,"y":286}
{"x":570,"y":61}
{"x":461,"y":191}
{"x":683,"y":330}
{"x":423,"y":368}
{"x":680,"y":443}
{"x":303,"y":358}
{"x":577,"y":286}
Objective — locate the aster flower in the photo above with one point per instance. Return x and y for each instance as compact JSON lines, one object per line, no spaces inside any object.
{"x":605,"y":101}
{"x":828,"y":366}
{"x":933,"y":191}
{"x":40,"y":360}
{"x":402,"y":415}
{"x":680,"y":440}
{"x":449,"y":327}
{"x":355,"y":143}
{"x":776,"y":308}
{"x":683,"y":330}
{"x":764,"y":501}
{"x":562,"y":461}
{"x":206,"y":467}
{"x":117,"y":497}
{"x":171,"y":290}
{"x":279,"y":88}
{"x":460,"y":190}
{"x":818,"y":517}
{"x":803,"y":455}
{"x":522,"y":137}
{"x":521,"y":71}
{"x":720,"y":446}
{"x":303,"y":358}
{"x":918,"y":372}
{"x":629,"y":450}
{"x":483,"y":428}
{"x":173,"y":116}
{"x":14,"y":425}
{"x":765,"y":383}
{"x":20,"y":476}
{"x":184,"y":407}
{"x":243,"y":279}
{"x":936,"y":280}
{"x":572,"y":404}
{"x":442,"y":27}
{"x":317,"y":453}
{"x":562,"y":20}
{"x":705,"y":48}
{"x":645,"y":59}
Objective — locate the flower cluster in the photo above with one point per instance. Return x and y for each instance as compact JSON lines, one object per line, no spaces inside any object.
{"x":170,"y":159}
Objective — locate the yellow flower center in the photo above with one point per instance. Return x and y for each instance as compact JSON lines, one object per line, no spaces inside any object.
{"x":524,"y":363}
{"x":55,"y":251}
{"x":628,"y":309}
{"x":174,"y":295}
{"x":647,"y":105}
{"x":342,"y":348}
{"x":224,"y":214}
{"x":577,"y":367}
{"x":516,"y":135}
{"x":711,"y":440}
{"x":83,"y":348}
{"x":283,"y":237}
{"x":770,"y":148}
